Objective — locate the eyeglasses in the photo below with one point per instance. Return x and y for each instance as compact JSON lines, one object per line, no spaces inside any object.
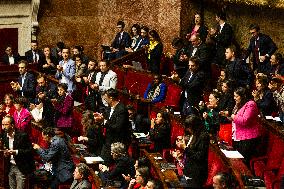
{"x":137,"y":175}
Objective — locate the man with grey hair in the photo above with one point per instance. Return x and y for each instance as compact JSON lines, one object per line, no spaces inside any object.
{"x":81,"y":175}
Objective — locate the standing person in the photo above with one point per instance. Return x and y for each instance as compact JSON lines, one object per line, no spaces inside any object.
{"x":81,"y":175}
{"x":246,"y":130}
{"x":22,"y":116}
{"x":102,"y":81}
{"x":195,"y":151}
{"x":237,"y":70}
{"x":25,"y":86}
{"x":48,"y":62}
{"x":18,"y":151}
{"x":9,"y":57}
{"x":222,"y":37}
{"x":154,"y":52}
{"x":192,"y":84}
{"x":34,"y":55}
{"x":143,"y":39}
{"x":277,"y":65}
{"x":116,"y":123}
{"x":135,"y":35}
{"x":198,"y":27}
{"x":261,"y":47}
{"x":59,"y":155}
{"x":66,"y":70}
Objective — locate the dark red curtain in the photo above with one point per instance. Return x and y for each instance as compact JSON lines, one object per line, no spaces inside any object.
{"x":8,"y":36}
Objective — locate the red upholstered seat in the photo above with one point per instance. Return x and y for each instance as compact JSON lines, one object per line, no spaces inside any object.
{"x":120,"y":77}
{"x":215,"y":165}
{"x":272,"y":160}
{"x":173,"y":96}
{"x":272,"y":179}
{"x":225,"y":133}
{"x":64,"y":186}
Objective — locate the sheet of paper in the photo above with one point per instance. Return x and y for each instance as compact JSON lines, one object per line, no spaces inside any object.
{"x":139,"y":135}
{"x":232,"y":154}
{"x":90,"y":160}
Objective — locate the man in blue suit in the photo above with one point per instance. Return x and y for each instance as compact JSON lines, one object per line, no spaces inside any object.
{"x":59,"y":155}
{"x":66,"y":70}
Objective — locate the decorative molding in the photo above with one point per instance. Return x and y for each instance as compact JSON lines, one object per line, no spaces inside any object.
{"x":35,"y":7}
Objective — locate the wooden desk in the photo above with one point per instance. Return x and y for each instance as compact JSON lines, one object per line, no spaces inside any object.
{"x":164,"y":176}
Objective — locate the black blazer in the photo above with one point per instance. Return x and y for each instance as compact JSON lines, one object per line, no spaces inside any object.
{"x":266,"y":46}
{"x":28,"y":88}
{"x":204,"y":57}
{"x":161,"y":136}
{"x":29,"y":56}
{"x":117,"y":127}
{"x":196,"y":161}
{"x":142,"y":124}
{"x":50,"y":70}
{"x":95,"y":140}
{"x":267,"y":104}
{"x":5,"y":59}
{"x":125,"y":42}
{"x":193,"y":87}
{"x":24,"y":160}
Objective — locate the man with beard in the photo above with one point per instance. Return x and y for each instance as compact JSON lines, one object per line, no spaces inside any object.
{"x":18,"y":151}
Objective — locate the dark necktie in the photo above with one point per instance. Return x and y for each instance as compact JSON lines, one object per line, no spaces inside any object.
{"x":35,"y":59}
{"x":102,"y":78}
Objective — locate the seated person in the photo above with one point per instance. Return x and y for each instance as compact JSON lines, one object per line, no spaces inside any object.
{"x":9,"y":57}
{"x":92,"y":133}
{"x":263,"y":96}
{"x":277,"y":66}
{"x":226,"y":102}
{"x":135,"y":35}
{"x":160,"y":131}
{"x":123,"y":165}
{"x":81,"y":175}
{"x":178,"y":154}
{"x":141,"y":178}
{"x":139,"y":122}
{"x":22,"y":116}
{"x":154,"y":184}
{"x":156,"y":90}
{"x":277,"y":88}
{"x":121,"y":41}
{"x":8,"y":107}
{"x":223,"y":180}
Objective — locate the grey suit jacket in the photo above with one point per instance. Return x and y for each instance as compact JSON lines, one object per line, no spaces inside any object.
{"x":69,"y":73}
{"x":59,"y":155}
{"x":84,"y":184}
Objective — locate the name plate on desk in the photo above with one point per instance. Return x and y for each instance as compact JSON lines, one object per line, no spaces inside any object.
{"x":232,"y":154}
{"x":92,"y":160}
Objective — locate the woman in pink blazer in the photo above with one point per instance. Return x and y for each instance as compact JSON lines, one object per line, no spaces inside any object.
{"x":246,"y":128}
{"x":22,"y":116}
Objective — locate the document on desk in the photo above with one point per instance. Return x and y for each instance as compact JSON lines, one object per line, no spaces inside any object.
{"x":91,"y":160}
{"x":232,"y":154}
{"x":140,"y":135}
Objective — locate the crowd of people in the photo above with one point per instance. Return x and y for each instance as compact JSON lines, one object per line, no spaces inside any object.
{"x":240,"y":95}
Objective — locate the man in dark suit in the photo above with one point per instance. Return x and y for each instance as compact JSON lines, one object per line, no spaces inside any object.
{"x":10,"y":58}
{"x":25,"y":86}
{"x":33,"y":55}
{"x":223,"y":37}
{"x":18,"y":152}
{"x":237,"y":70}
{"x":200,"y":50}
{"x":139,"y":123}
{"x":121,"y":41}
{"x":116,"y":123}
{"x":59,"y":155}
{"x":193,"y":85}
{"x":262,"y":47}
